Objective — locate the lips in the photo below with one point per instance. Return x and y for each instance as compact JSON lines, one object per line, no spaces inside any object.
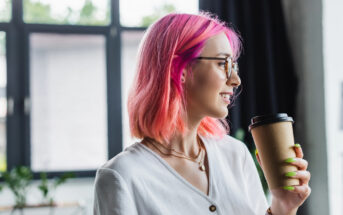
{"x":230,"y":93}
{"x":226,"y":97}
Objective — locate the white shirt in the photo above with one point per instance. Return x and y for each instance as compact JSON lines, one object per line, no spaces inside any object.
{"x":139,"y":181}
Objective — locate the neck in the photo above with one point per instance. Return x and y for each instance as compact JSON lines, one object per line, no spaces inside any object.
{"x":188,"y":142}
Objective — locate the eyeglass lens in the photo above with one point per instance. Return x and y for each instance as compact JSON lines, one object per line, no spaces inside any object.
{"x":229,"y":66}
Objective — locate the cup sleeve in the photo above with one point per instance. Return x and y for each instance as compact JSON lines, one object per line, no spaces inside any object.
{"x":111,"y":194}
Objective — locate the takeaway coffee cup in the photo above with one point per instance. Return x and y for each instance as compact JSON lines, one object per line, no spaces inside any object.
{"x":274,"y":140}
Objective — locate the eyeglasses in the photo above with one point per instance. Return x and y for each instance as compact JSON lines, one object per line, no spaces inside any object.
{"x":229,"y":65}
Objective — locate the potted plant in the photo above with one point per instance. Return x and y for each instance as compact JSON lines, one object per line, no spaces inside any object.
{"x":48,"y":188}
{"x":18,"y":181}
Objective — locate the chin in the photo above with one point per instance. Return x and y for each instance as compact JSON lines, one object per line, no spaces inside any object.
{"x":220,"y":114}
{"x":224,"y":115}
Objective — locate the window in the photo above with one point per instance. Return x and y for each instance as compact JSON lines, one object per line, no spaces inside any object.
{"x":68,"y":97}
{"x":130,"y":41}
{"x":3,"y":101}
{"x":81,"y":12}
{"x":69,"y":71}
{"x":137,"y":13}
{"x":5,"y":10}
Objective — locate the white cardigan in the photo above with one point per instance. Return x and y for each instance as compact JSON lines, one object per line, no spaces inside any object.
{"x":139,"y":181}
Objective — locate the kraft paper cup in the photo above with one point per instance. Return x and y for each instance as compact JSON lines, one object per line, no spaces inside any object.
{"x":274,"y":140}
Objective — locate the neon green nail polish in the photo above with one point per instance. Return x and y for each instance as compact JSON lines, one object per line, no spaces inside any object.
{"x":256,"y":152}
{"x":290,"y":174}
{"x":290,"y":160}
{"x":297,"y":145}
{"x":288,"y":187}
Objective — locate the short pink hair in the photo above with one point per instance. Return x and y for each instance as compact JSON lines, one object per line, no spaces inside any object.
{"x":156,"y":101}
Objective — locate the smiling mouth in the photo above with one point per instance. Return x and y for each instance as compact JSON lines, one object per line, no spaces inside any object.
{"x":226,"y":97}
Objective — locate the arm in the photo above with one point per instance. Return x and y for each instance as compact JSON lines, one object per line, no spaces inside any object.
{"x":111,"y":194}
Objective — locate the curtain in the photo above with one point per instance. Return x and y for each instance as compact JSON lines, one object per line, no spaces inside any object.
{"x":269,"y":83}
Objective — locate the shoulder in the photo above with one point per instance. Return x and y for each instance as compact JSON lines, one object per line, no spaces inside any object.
{"x":229,"y":144}
{"x":229,"y":149}
{"x":125,"y":162}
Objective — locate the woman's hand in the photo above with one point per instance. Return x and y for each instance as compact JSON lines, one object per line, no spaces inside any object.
{"x":286,"y":200}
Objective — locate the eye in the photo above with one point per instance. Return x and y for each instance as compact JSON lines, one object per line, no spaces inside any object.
{"x":222,"y":64}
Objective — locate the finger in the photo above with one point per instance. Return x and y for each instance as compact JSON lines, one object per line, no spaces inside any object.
{"x":299,"y":162}
{"x":298,"y":150}
{"x":303,"y":190}
{"x":303,"y":176}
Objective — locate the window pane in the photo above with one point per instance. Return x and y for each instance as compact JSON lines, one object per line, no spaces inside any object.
{"x":5,"y":10}
{"x":143,"y":13}
{"x":341,"y":120}
{"x":130,"y":41}
{"x":68,"y":101}
{"x":81,"y":12}
{"x":3,"y":101}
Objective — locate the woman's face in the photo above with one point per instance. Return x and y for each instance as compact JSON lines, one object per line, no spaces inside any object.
{"x":203,"y":93}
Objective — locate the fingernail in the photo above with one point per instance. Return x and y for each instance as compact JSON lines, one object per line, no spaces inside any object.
{"x":297,"y":145}
{"x":290,"y":174}
{"x":289,"y":160}
{"x":288,"y":187}
{"x":256,"y":152}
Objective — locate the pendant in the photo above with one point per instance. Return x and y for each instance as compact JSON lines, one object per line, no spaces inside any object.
{"x":202,"y":167}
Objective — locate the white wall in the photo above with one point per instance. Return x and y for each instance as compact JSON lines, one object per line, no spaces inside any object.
{"x":333,"y":67}
{"x":304,"y":25}
{"x":315,"y":32}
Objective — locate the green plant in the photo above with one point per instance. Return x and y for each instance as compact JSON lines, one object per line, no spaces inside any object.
{"x":18,"y":181}
{"x":240,"y":135}
{"x":47,"y":188}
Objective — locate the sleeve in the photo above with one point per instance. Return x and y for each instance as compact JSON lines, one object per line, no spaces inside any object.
{"x":111,"y":194}
{"x":256,"y":196}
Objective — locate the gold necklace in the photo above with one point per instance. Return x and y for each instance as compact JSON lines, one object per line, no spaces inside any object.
{"x":171,"y":149}
{"x":201,"y":162}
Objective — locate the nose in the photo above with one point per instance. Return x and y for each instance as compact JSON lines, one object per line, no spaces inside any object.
{"x":234,"y":80}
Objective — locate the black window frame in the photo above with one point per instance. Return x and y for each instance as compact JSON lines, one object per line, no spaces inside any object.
{"x":18,"y":146}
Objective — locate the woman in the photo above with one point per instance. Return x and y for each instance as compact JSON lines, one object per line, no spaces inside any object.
{"x":186,"y":164}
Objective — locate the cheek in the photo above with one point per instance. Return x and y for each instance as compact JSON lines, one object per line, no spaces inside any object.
{"x":212,"y":80}
{"x":208,"y":86}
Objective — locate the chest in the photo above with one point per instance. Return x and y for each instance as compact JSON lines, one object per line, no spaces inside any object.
{"x":191,"y":172}
{"x":188,"y":170}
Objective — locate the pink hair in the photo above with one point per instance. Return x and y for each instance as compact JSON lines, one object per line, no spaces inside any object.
{"x":156,"y":102}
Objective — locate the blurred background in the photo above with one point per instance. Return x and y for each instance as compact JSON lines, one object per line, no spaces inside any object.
{"x":66,"y":67}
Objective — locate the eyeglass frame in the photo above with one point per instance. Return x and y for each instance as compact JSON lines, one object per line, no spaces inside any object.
{"x":228,"y":70}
